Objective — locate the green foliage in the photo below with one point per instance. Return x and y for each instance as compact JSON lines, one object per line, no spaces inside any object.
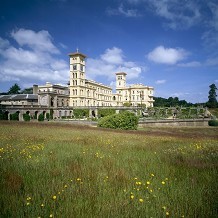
{"x":106,"y":112}
{"x":125,"y":120}
{"x":212,"y":102}
{"x":15,"y":89}
{"x":41,"y":117}
{"x":3,"y":116}
{"x":80,"y":113}
{"x":14,"y":116}
{"x":27,"y":91}
{"x":127,"y":104}
{"x":213,"y":122}
{"x":26,"y":117}
{"x":170,"y":102}
{"x":107,"y":173}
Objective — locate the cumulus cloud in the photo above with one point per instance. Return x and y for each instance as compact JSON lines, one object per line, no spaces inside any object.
{"x":110,"y":62}
{"x":160,"y":81}
{"x":113,"y":56}
{"x":34,"y":58}
{"x":167,"y":55}
{"x":38,"y":41}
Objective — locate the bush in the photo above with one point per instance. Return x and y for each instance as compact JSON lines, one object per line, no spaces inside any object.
{"x":26,"y":117}
{"x":213,"y":122}
{"x":106,"y":112}
{"x":125,"y":120}
{"x":80,"y":113}
{"x":41,"y":117}
{"x":14,"y":116}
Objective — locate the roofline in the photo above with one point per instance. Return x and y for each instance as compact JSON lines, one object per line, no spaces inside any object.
{"x":77,"y":53}
{"x":121,"y":73}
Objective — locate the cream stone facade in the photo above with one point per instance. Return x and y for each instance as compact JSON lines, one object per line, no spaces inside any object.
{"x":85,"y":92}
{"x":82,"y":92}
{"x":52,"y":95}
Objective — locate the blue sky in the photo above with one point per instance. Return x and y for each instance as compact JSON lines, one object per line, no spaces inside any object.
{"x":171,"y":45}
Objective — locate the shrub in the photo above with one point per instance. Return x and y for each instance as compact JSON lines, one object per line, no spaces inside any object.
{"x":80,"y":113}
{"x":14,"y":116}
{"x":41,"y":117}
{"x":26,"y":117}
{"x":106,"y":112}
{"x":125,"y":120}
{"x":3,"y":116}
{"x":213,"y":122}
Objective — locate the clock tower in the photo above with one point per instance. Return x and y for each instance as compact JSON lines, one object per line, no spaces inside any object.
{"x":77,"y":79}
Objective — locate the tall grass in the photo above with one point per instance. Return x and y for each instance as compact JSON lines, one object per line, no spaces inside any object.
{"x":64,"y":171}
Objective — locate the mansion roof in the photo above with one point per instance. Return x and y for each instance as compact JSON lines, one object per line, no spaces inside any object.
{"x":17,"y":97}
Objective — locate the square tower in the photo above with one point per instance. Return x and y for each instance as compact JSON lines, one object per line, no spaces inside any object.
{"x":120,"y":80}
{"x":77,"y":78}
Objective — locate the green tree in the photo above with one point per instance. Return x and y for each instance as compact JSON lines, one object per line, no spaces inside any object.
{"x":27,"y":91}
{"x":15,"y":89}
{"x":212,"y":101}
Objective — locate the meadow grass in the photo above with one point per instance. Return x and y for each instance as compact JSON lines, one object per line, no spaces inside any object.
{"x":52,"y":170}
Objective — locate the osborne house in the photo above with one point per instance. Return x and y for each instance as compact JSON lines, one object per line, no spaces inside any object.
{"x":82,"y":93}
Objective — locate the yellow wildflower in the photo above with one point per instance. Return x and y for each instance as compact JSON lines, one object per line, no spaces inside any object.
{"x":141,"y":200}
{"x":163,"y":183}
{"x":167,"y":213}
{"x":148,"y":183}
{"x":54,"y":197}
{"x":132,"y":196}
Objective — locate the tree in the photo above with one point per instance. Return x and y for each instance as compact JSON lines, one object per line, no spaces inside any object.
{"x":27,"y":91}
{"x":212,"y":101}
{"x":15,"y":89}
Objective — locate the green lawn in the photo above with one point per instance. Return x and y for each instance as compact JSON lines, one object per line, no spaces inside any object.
{"x":56,"y":170}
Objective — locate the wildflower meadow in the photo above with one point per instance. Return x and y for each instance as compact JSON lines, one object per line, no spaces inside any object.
{"x":57,"y":170}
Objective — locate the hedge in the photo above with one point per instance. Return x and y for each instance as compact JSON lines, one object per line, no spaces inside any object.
{"x":14,"y":116}
{"x":26,"y":117}
{"x":125,"y":120}
{"x":80,"y":113}
{"x":41,"y":117}
{"x":213,"y":122}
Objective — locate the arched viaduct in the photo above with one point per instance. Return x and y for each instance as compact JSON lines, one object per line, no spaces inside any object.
{"x":35,"y":111}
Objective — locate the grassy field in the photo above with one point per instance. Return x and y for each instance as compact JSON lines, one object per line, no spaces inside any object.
{"x":57,"y":170}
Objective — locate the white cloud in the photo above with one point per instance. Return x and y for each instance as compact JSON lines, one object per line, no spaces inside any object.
{"x":38,"y":41}
{"x":4,"y":43}
{"x":33,"y":58}
{"x":109,"y":63}
{"x":160,"y":81}
{"x":179,"y":14}
{"x":214,"y":10}
{"x":167,"y":55}
{"x":113,"y":56}
{"x":190,"y":64}
{"x":212,"y":62}
{"x":123,"y":11}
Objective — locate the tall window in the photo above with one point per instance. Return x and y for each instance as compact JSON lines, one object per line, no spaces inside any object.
{"x":74,"y":67}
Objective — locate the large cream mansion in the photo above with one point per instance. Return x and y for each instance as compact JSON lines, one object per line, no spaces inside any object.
{"x":82,"y":92}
